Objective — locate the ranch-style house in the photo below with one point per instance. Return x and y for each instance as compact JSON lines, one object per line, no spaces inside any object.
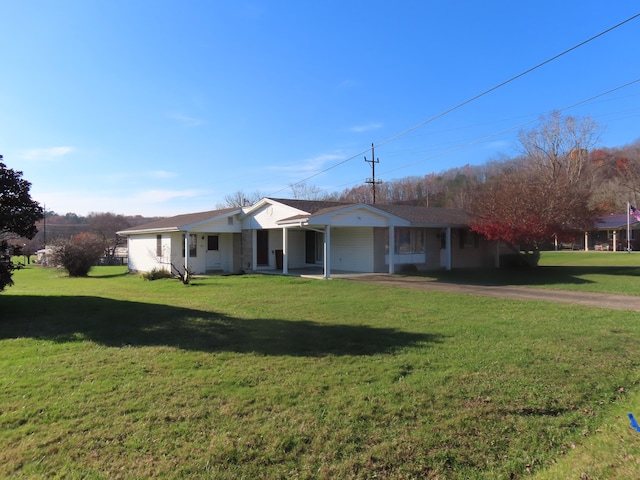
{"x":295,"y":236}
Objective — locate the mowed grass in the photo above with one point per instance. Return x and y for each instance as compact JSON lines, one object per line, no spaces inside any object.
{"x":605,"y":272}
{"x":267,"y":377}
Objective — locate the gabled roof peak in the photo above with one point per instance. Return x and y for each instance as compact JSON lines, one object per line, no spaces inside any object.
{"x":178,"y":221}
{"x":310,"y":206}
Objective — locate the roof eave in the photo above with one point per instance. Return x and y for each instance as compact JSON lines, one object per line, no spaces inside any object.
{"x":124,"y":233}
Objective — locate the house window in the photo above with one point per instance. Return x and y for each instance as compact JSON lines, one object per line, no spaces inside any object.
{"x":468,"y":239}
{"x":193,"y":245}
{"x":409,"y":240}
{"x":213,"y":242}
{"x":230,"y":221}
{"x":158,"y":245}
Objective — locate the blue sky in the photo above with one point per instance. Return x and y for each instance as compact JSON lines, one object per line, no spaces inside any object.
{"x":160,"y":108}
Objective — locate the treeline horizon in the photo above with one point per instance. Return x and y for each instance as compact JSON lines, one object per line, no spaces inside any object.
{"x":613,"y":175}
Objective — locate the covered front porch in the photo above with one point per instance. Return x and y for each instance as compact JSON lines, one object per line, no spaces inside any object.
{"x":328,"y":251}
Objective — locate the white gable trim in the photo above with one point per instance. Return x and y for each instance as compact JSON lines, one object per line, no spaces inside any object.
{"x":370,"y":217}
{"x":126,"y":233}
{"x":268,"y":201}
{"x":268,"y":215}
{"x":188,"y":227}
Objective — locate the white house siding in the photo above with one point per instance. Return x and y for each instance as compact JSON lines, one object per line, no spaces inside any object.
{"x":358,"y":217}
{"x":142,"y":253}
{"x":222,"y":259}
{"x":226,"y":246}
{"x":199,"y":264}
{"x":246,"y":252}
{"x":267,"y":216}
{"x":231,"y":224}
{"x":352,"y":249}
{"x":296,"y":246}
{"x":176,"y":251}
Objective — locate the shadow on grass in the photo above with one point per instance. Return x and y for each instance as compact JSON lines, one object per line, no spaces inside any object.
{"x":121,"y":323}
{"x":546,"y":275}
{"x":109,"y":275}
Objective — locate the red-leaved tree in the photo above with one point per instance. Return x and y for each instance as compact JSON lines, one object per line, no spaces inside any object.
{"x":523,"y":209}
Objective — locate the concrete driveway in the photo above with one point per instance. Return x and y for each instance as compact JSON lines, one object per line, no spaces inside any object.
{"x":591,"y":299}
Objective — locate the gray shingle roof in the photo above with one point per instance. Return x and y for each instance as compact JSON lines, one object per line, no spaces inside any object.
{"x":613,"y":222}
{"x":179,"y":221}
{"x":415,"y":215}
{"x":428,"y":215}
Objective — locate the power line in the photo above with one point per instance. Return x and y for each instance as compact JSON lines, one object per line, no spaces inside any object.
{"x":508,"y":81}
{"x":497,"y":134}
{"x":466,"y":102}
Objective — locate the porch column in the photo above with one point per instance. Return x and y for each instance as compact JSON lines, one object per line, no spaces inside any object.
{"x":448,"y":249}
{"x":392,"y":249}
{"x":186,"y":251}
{"x":285,"y":247}
{"x":254,"y":249}
{"x":615,"y":240}
{"x":586,"y":241}
{"x":327,"y":252}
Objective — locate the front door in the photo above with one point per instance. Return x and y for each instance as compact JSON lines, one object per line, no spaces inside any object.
{"x":214,"y":261}
{"x":262,"y":247}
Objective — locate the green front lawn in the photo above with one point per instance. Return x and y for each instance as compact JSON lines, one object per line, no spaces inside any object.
{"x":606,"y":272}
{"x":279,"y":377}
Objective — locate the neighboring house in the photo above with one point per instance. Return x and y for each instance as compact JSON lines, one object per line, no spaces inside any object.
{"x":44,"y":255}
{"x":286,"y":235}
{"x":610,"y":233}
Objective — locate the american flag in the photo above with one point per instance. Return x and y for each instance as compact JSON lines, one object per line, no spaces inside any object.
{"x":634,"y":212}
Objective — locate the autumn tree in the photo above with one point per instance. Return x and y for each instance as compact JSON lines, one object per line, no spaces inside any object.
{"x":105,"y":226}
{"x":523,"y":209}
{"x":18,"y":214}
{"x":78,"y":254}
{"x":359,"y":194}
{"x":623,"y":166}
{"x":559,"y":146}
{"x":544,"y":194}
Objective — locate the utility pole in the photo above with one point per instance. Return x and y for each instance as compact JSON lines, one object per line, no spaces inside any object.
{"x":372,"y":181}
{"x":44,"y":224}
